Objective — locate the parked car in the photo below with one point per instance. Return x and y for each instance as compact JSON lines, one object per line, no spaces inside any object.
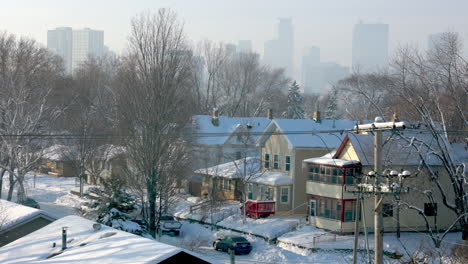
{"x":239,"y":244}
{"x":32,"y":203}
{"x":169,"y":224}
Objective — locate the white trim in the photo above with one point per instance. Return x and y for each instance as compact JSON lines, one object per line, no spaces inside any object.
{"x":281,"y":194}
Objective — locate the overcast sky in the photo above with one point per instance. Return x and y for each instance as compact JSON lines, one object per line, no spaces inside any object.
{"x":326,"y":23}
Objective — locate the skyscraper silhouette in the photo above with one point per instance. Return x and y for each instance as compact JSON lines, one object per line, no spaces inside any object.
{"x":370,"y":46}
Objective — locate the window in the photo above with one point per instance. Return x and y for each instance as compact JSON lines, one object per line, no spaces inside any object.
{"x":349,"y":211}
{"x":329,"y":208}
{"x":267,"y":160}
{"x":387,"y":210}
{"x":250,"y":191}
{"x":238,"y":155}
{"x":288,"y":163}
{"x":270,"y":193}
{"x":276,"y":161}
{"x":430,"y":209}
{"x":262,"y":192}
{"x":284,"y":194}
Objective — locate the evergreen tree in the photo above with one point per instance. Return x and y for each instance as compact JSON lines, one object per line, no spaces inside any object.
{"x":295,"y":108}
{"x":332,"y":105}
{"x":115,"y":206}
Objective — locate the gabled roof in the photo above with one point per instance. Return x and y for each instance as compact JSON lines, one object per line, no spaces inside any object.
{"x":395,"y":151}
{"x":300,"y":132}
{"x":13,"y":214}
{"x":107,"y":245}
{"x":227,"y":125}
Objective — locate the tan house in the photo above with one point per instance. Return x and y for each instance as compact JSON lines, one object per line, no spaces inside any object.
{"x":331,"y":181}
{"x":225,"y":182}
{"x":60,"y":161}
{"x":18,"y":220}
{"x":287,"y":142}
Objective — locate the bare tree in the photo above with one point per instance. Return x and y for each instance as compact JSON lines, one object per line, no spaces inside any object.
{"x":153,"y":92}
{"x":28,"y":74}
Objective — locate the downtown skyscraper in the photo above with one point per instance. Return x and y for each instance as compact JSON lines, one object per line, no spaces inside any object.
{"x":74,"y":46}
{"x":370,"y":46}
{"x":279,"y":52}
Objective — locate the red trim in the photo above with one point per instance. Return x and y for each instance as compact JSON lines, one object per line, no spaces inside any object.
{"x":341,"y":147}
{"x":343,"y":203}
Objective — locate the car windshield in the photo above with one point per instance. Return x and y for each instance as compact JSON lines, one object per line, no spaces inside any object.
{"x":239,"y":239}
{"x":167,"y":218}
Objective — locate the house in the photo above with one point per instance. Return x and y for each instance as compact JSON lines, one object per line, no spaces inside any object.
{"x":331,"y":180}
{"x":60,"y":161}
{"x":89,"y":242}
{"x":17,"y":220}
{"x":105,"y":161}
{"x":226,"y":182}
{"x":287,"y":142}
{"x":222,"y":139}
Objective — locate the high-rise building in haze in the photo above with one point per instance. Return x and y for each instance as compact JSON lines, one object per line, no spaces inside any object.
{"x":245,"y":46}
{"x":318,"y":76}
{"x":279,"y":52}
{"x":86,"y":42}
{"x":60,"y":41}
{"x":370,"y":46}
{"x":74,"y":46}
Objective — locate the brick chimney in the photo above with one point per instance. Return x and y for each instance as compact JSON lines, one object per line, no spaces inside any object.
{"x":215,"y":117}
{"x":316,"y":117}
{"x":270,"y":113}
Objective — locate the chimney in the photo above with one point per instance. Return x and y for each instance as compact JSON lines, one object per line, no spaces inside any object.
{"x":270,"y":113}
{"x":64,"y":237}
{"x":395,"y":118}
{"x":215,"y":117}
{"x":316,"y":117}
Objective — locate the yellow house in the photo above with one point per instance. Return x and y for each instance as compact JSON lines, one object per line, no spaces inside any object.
{"x":286,"y":143}
{"x":331,"y":204}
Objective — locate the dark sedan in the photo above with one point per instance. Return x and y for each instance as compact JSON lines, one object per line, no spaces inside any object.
{"x":240,"y":245}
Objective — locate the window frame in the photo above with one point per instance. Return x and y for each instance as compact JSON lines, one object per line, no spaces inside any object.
{"x":276,"y":161}
{"x":387,"y":210}
{"x":287,"y":164}
{"x":287,"y":196}
{"x":266,"y":163}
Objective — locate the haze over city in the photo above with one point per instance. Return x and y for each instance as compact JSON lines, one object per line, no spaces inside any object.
{"x":233,"y":131}
{"x":326,"y":24}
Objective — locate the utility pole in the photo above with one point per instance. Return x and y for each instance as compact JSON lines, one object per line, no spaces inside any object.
{"x":378,"y":218}
{"x":356,"y":228}
{"x":375,"y":188}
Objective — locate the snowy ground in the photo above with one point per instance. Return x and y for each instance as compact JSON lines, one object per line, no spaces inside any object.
{"x":52,"y":194}
{"x":411,"y":242}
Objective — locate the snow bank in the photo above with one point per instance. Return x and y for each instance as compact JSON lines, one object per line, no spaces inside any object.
{"x":270,"y":227}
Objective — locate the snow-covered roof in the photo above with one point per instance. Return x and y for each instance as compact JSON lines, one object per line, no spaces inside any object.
{"x":460,"y":153}
{"x":107,"y":245}
{"x":331,"y":161}
{"x":395,"y":151}
{"x":233,"y":169}
{"x":13,"y":214}
{"x":226,"y":126}
{"x":303,"y":132}
{"x":108,"y":152}
{"x":59,"y":152}
{"x":271,"y":178}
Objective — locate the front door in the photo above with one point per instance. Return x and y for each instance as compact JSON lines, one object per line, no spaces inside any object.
{"x":312,"y":211}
